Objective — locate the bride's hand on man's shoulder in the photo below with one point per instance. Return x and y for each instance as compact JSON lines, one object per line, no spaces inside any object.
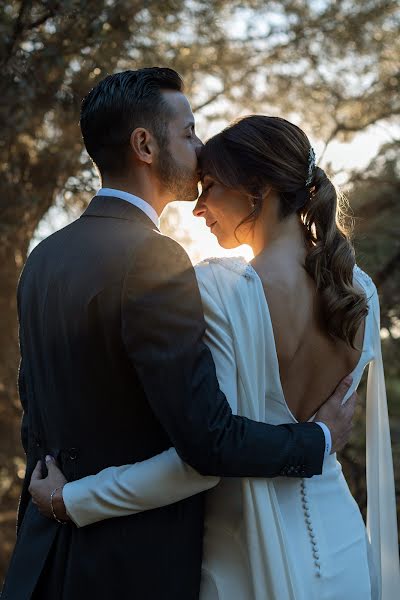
{"x":46,"y":491}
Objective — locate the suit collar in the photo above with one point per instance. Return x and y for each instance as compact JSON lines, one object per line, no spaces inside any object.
{"x":111,"y":206}
{"x":133,"y":199}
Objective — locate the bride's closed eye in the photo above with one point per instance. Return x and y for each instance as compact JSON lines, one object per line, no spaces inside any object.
{"x":205,"y":188}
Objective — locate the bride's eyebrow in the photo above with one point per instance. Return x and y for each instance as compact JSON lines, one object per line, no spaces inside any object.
{"x":210,"y":178}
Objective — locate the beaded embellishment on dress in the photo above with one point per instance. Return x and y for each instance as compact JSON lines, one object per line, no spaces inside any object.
{"x":238,"y":264}
{"x":362,"y":275}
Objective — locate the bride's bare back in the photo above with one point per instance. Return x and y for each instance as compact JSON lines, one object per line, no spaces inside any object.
{"x":311,"y":362}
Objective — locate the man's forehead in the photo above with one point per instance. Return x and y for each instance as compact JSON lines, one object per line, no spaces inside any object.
{"x":180,"y":106}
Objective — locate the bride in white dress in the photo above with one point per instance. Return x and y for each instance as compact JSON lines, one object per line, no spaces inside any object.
{"x":283,"y":331}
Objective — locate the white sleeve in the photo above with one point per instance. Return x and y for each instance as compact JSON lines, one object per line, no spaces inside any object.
{"x":218,"y":335}
{"x":381,"y":512}
{"x":120,"y":491}
{"x":328,"y":437}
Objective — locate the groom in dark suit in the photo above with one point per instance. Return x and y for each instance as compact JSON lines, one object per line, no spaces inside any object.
{"x":114,"y":369}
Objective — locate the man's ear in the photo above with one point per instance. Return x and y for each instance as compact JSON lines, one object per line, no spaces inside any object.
{"x":143,"y":145}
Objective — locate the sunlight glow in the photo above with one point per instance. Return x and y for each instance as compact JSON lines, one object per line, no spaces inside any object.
{"x":203,"y":243}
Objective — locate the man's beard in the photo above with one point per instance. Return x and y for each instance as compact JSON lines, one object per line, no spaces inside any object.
{"x":178,"y":180}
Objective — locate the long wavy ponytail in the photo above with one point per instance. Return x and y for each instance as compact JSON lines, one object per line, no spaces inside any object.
{"x":330,"y":260}
{"x":260,"y":152}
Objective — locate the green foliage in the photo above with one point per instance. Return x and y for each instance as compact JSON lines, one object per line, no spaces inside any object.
{"x":374,"y":200}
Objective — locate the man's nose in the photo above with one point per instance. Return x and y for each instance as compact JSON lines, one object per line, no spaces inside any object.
{"x":200,"y":208}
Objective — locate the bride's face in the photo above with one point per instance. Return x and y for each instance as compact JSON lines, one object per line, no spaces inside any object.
{"x":223,"y":210}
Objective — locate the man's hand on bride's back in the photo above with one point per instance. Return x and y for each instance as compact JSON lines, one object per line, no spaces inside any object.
{"x":338,"y":417}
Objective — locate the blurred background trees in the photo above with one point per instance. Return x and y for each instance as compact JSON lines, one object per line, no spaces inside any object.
{"x":330,"y":66}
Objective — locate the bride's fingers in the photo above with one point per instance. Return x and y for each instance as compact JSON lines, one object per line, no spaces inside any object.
{"x":51,"y":464}
{"x":37,"y":472}
{"x":55,"y":474}
{"x":35,"y":477}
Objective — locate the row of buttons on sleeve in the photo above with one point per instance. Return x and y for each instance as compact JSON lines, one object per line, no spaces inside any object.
{"x":293,"y":471}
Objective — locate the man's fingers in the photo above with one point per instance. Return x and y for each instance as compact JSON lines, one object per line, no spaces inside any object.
{"x":342,"y":388}
{"x":350,"y":405}
{"x":352,"y":401}
{"x":37,"y":472}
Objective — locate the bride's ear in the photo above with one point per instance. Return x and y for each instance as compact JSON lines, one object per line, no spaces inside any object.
{"x":260,"y":197}
{"x":267,"y":192}
{"x":271,"y":199}
{"x":143,"y":145}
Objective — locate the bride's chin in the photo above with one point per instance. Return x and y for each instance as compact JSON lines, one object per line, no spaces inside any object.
{"x":227,"y":244}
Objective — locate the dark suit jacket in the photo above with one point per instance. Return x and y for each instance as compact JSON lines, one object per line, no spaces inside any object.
{"x":114,"y":370}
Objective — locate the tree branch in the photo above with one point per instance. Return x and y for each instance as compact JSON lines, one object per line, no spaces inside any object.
{"x":210,"y":100}
{"x":18,"y":28}
{"x":41,"y":20}
{"x":331,"y":137}
{"x":343,"y":128}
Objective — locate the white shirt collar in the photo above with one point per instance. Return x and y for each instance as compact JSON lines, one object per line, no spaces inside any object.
{"x":135,"y":200}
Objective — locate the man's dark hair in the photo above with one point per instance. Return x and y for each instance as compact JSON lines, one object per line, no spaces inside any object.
{"x":120,"y":103}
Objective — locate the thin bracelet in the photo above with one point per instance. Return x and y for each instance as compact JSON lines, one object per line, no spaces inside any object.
{"x":52,"y":507}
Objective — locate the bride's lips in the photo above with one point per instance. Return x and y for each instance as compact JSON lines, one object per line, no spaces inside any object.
{"x":211,"y":225}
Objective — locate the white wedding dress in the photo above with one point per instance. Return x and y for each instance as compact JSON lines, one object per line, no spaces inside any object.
{"x":269,"y":539}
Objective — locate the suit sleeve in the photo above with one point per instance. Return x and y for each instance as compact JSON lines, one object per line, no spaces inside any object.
{"x":163,"y":329}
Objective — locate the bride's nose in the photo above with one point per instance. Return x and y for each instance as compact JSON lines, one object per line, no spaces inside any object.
{"x":200,"y":208}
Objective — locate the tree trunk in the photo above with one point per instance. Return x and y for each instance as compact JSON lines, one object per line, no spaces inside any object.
{"x":13,"y":250}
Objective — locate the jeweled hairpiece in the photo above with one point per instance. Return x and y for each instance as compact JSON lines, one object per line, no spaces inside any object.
{"x":311,"y":166}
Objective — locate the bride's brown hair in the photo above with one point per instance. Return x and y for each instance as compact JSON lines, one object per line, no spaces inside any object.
{"x":257,"y":153}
